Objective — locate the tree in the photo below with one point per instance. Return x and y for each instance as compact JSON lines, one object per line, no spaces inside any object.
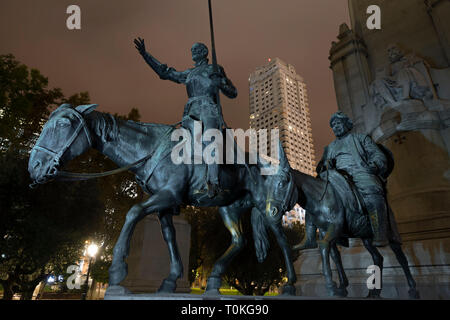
{"x":41,"y":230}
{"x":210,"y":239}
{"x":25,"y":103}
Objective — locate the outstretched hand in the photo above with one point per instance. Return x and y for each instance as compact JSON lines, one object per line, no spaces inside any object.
{"x":140,"y":45}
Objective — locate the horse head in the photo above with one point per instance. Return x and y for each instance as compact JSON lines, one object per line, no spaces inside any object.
{"x":281,"y":193}
{"x":64,"y":136}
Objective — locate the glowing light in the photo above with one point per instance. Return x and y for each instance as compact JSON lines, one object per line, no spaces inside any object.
{"x":92,"y":250}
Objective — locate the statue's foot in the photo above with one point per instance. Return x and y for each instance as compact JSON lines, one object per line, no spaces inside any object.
{"x":116,"y":291}
{"x":117,"y":273}
{"x":341,"y":292}
{"x":332,"y":289}
{"x":213,"y":285}
{"x":212,"y":292}
{"x":374,"y":294}
{"x":288,"y":290}
{"x":304,"y":246}
{"x":167,"y":286}
{"x":413,"y":293}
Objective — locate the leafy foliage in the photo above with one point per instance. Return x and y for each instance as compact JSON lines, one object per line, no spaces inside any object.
{"x":43,"y":230}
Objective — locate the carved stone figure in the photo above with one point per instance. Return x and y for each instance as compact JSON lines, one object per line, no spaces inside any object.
{"x":202,"y":85}
{"x":400,"y":81}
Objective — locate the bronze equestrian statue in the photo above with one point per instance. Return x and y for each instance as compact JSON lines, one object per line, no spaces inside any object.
{"x":348,"y":200}
{"x":144,"y":148}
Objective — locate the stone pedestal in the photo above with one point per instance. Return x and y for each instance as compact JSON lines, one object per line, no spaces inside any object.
{"x":428,"y":260}
{"x":148,"y":261}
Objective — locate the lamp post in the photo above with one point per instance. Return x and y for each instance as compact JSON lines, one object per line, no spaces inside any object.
{"x":91,"y":251}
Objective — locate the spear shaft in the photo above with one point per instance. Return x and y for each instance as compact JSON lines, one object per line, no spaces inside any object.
{"x":214,"y":58}
{"x":213,"y":45}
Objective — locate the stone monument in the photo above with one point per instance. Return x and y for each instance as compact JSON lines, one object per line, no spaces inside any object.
{"x":395,"y":85}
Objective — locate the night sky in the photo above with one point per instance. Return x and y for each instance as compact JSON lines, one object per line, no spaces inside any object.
{"x":101,"y":58}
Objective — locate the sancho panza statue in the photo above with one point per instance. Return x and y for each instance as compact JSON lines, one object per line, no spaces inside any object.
{"x":202,"y":85}
{"x":400,"y":81}
{"x":364,"y":165}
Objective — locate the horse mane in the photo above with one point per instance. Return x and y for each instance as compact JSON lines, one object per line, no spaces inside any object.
{"x":104,"y":125}
{"x":107,"y":126}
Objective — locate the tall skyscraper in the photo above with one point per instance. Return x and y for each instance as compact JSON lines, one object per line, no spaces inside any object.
{"x":279,"y":100}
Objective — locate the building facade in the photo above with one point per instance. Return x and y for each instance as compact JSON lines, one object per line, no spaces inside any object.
{"x":278,"y":99}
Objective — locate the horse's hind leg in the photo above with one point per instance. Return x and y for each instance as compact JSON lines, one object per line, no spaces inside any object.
{"x":397,"y":249}
{"x":176,"y":266}
{"x":378,"y":261}
{"x":288,"y":288}
{"x":118,"y":270}
{"x":231,"y":218}
{"x":343,"y":281}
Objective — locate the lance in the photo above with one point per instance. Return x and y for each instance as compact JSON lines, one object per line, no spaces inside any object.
{"x":214,"y":59}
{"x":216,"y":70}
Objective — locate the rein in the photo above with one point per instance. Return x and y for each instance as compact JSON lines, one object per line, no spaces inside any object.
{"x":72,"y":176}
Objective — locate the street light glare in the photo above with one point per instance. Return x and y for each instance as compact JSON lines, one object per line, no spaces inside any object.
{"x":92,"y":250}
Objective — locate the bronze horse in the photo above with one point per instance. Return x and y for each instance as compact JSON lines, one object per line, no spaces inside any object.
{"x":70,"y":132}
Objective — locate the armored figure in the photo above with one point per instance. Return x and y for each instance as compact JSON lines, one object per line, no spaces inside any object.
{"x":365,"y":166}
{"x":202,"y":84}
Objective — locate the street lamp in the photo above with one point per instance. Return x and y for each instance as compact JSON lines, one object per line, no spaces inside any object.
{"x":91,"y":251}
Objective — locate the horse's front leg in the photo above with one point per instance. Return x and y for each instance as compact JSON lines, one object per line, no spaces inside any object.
{"x":288,"y":288}
{"x":176,"y":265}
{"x":231,"y":218}
{"x":343,"y":281}
{"x":324,"y":246}
{"x":118,"y":270}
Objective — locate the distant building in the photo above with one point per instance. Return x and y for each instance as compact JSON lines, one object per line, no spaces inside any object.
{"x":279,"y":100}
{"x":297,"y":214}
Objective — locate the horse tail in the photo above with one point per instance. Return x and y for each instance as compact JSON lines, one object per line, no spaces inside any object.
{"x":260,"y":235}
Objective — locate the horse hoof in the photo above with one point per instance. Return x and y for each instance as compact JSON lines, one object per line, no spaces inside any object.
{"x":116,"y":291}
{"x":117,"y":273}
{"x":340,"y":292}
{"x":167,"y":286}
{"x":288,"y":290}
{"x":374,"y":294}
{"x":413,"y":294}
{"x":213,"y":284}
{"x":212,"y":292}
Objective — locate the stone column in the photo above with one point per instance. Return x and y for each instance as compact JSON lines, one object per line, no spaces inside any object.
{"x":348,"y":60}
{"x":439,"y":10}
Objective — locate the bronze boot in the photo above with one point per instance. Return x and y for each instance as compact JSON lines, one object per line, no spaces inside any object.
{"x":378,"y":224}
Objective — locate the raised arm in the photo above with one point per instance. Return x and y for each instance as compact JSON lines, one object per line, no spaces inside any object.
{"x":164,"y":72}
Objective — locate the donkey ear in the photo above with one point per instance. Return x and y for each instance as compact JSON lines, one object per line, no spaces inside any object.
{"x":86,"y":108}
{"x":284,"y":163}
